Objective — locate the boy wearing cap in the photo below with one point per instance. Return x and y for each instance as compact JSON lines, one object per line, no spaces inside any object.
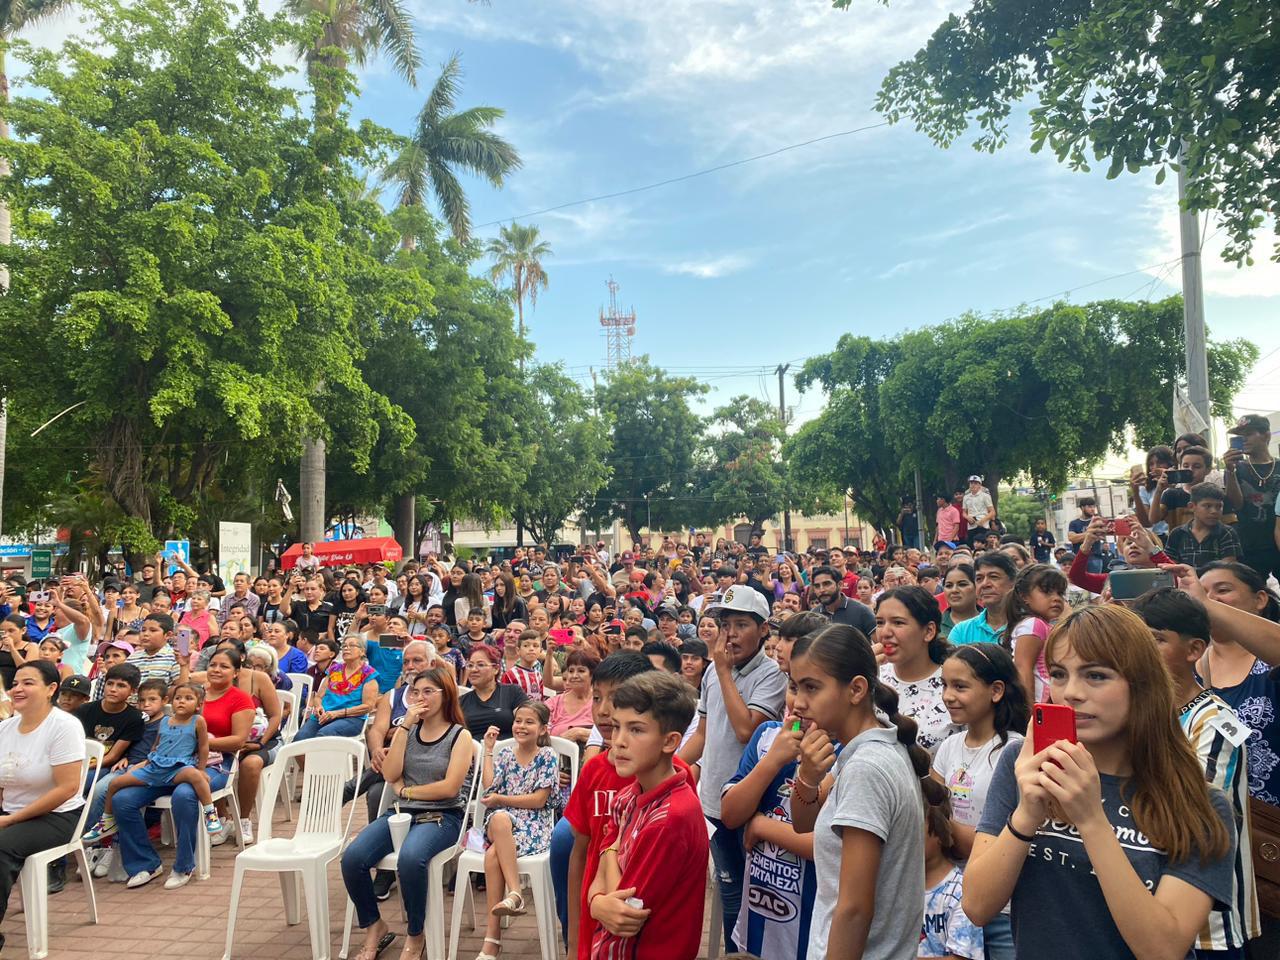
{"x":744,"y":689}
{"x":1252,"y":485}
{"x":978,"y":510}
{"x":109,"y":654}
{"x":73,"y":693}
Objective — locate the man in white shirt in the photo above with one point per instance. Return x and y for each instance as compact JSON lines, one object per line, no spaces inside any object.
{"x":978,"y":510}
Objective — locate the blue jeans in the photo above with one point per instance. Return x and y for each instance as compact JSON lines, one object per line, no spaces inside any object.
{"x":342,"y":727}
{"x":98,"y":802}
{"x":997,"y":938}
{"x":424,"y":841}
{"x":731,"y":866}
{"x":561,"y":849}
{"x":136,"y":852}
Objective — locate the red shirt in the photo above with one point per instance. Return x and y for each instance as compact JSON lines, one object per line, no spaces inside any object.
{"x":849,"y":585}
{"x":217,"y":713}
{"x":528,"y":679}
{"x":662,"y":852}
{"x":589,"y":812}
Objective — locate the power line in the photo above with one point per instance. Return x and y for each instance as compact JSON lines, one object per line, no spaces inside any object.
{"x":688,"y":176}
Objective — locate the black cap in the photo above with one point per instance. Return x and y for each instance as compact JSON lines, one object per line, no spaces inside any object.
{"x":76,"y":684}
{"x":1251,"y":423}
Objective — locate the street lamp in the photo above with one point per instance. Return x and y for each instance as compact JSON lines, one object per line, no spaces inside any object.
{"x":648,"y":511}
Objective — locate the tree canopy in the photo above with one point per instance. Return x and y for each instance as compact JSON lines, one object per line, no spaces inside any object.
{"x":1126,"y":83}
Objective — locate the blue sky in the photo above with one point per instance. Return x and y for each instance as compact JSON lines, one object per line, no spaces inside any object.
{"x":772,"y":261}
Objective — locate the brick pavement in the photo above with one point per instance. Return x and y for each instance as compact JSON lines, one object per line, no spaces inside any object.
{"x":152,"y":923}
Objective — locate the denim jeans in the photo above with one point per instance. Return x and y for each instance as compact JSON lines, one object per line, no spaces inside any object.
{"x":731,"y":866}
{"x":424,"y":841}
{"x":997,"y":938}
{"x":136,"y":852}
{"x":99,"y":800}
{"x":561,"y":848}
{"x":342,"y":727}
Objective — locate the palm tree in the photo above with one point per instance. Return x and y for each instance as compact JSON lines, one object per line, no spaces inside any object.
{"x":354,"y":30}
{"x":15,"y":15}
{"x":442,"y":143}
{"x":518,"y":252}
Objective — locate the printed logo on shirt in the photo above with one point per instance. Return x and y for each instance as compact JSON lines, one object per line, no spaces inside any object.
{"x":103,"y":734}
{"x":1059,"y":842}
{"x":603,"y":800}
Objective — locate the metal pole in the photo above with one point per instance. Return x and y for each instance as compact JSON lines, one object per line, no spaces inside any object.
{"x":782,"y":418}
{"x":1193,"y":303}
{"x":921,"y":529}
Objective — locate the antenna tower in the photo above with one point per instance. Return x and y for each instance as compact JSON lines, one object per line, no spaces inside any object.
{"x":619,"y":328}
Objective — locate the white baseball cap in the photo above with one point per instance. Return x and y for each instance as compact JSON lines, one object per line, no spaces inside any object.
{"x":742,"y":599}
{"x":975,"y":477}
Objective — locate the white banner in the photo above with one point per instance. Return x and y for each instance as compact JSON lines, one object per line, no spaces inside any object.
{"x":235,"y":550}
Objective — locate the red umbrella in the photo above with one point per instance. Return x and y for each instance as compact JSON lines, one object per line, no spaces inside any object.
{"x":340,"y":553}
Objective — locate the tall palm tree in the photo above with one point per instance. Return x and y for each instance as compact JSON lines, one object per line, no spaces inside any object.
{"x":354,"y":30}
{"x":15,"y":15}
{"x":442,"y":143}
{"x":518,"y":252}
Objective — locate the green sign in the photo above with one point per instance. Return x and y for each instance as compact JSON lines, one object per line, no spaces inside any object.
{"x":41,"y":564}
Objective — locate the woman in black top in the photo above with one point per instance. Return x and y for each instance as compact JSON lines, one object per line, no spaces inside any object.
{"x":16,"y":647}
{"x":351,"y":597}
{"x":452,"y":593}
{"x":489,"y":703}
{"x":507,"y":603}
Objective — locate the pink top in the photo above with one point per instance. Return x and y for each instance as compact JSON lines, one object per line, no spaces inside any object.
{"x":562,"y":720}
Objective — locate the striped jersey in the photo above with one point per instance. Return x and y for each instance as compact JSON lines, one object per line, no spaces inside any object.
{"x":1204,"y":720}
{"x":528,"y":679}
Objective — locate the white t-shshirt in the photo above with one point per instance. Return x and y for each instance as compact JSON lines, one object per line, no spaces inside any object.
{"x":967,"y":772}
{"x":27,"y":759}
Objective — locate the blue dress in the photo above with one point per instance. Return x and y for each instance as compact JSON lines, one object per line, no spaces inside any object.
{"x":1254,"y":699}
{"x":175,"y":748}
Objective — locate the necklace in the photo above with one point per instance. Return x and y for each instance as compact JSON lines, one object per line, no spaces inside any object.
{"x":1261,"y":479}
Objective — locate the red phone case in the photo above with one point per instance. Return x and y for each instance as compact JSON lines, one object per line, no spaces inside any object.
{"x":1123,"y":528}
{"x":1053,"y":722}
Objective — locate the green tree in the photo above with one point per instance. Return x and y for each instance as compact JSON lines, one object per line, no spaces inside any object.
{"x":518,"y":253}
{"x":352,"y":31}
{"x":190,"y":259}
{"x":747,"y":475}
{"x":1019,"y":513}
{"x":1122,"y":82}
{"x":443,"y":142}
{"x":656,"y":439}
{"x":568,"y":446}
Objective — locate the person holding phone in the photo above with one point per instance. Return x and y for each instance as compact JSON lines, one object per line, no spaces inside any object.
{"x":1112,"y":846}
{"x":1252,"y":485}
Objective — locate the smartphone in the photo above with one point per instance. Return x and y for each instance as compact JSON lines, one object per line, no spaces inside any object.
{"x":576,"y":558}
{"x":1131,"y":584}
{"x":184,"y":641}
{"x":1122,"y":528}
{"x":377,"y":609}
{"x":1177,"y":476}
{"x":561,"y":637}
{"x":389,"y":641}
{"x":1053,"y":722}
{"x":38,"y":596}
{"x":1237,"y":443}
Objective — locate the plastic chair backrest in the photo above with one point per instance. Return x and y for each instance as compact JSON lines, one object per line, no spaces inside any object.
{"x":291,"y":721}
{"x":302,"y":687}
{"x":329,"y":761}
{"x":568,"y":750}
{"x":90,"y":768}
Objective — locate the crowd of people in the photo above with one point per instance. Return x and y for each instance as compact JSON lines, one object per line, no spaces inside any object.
{"x":868,"y":747}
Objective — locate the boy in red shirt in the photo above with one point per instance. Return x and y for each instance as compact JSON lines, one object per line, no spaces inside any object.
{"x":647,"y":895}
{"x":589,"y":809}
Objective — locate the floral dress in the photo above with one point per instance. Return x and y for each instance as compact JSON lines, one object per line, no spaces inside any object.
{"x":921,"y":700}
{"x":531,"y":828}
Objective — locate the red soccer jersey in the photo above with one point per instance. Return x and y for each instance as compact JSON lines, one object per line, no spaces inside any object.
{"x":528,"y":679}
{"x":662,"y":852}
{"x":589,"y":812}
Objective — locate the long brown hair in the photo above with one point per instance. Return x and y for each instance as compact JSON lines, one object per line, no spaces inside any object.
{"x":1167,"y":791}
{"x":510,"y":593}
{"x":442,"y":676}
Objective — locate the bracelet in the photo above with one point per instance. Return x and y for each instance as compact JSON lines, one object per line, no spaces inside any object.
{"x":815,"y":787}
{"x":1014,"y":830}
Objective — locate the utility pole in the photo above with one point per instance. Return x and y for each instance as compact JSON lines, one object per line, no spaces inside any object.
{"x":782,"y":417}
{"x":921,"y":529}
{"x":1193,"y":301}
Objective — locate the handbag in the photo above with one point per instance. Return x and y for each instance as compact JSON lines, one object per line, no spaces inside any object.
{"x":1264,"y":834}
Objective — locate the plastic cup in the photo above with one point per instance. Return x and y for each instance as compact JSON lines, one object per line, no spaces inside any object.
{"x":399,"y":823}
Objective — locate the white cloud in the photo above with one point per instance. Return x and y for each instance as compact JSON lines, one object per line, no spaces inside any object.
{"x":901,"y":268}
{"x":709,"y":269}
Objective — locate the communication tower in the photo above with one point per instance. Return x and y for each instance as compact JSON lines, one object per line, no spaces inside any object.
{"x":619,"y":328}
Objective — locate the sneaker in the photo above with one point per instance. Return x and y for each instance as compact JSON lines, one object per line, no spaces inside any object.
{"x":58,"y":876}
{"x":143,"y":877}
{"x":246,"y":830}
{"x":211,"y":822}
{"x":177,"y":880}
{"x":220,"y":834}
{"x":103,"y":828}
{"x":383,"y":883}
{"x":103,"y":866}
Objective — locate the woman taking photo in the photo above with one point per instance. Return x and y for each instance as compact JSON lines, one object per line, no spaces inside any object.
{"x":41,"y":749}
{"x":1112,"y":847}
{"x":907,"y":620}
{"x":345,"y":696}
{"x":228,"y":716}
{"x":490,"y":703}
{"x":429,"y":767}
{"x":960,"y":588}
{"x":507,"y":604}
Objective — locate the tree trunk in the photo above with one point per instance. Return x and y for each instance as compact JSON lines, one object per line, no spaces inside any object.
{"x":311,"y":476}
{"x":6,"y":237}
{"x":520,"y":315}
{"x":405,"y":526}
{"x":121,"y":461}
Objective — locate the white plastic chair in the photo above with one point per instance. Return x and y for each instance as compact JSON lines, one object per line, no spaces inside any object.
{"x":537,"y":868}
{"x":302,"y":687}
{"x":204,"y":845}
{"x":435,"y":869}
{"x":287,"y":730}
{"x":34,"y":879}
{"x":318,"y":838}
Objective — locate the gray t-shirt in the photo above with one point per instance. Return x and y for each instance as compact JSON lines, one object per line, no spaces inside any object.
{"x":876,"y":790}
{"x":427,"y":762}
{"x":1059,"y":912}
{"x":764,"y":688}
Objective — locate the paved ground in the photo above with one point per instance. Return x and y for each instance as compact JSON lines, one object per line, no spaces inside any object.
{"x":151,"y":923}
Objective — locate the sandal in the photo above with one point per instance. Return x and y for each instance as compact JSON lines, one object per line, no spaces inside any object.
{"x":512,"y":905}
{"x":485,"y":954}
{"x":383,"y":942}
